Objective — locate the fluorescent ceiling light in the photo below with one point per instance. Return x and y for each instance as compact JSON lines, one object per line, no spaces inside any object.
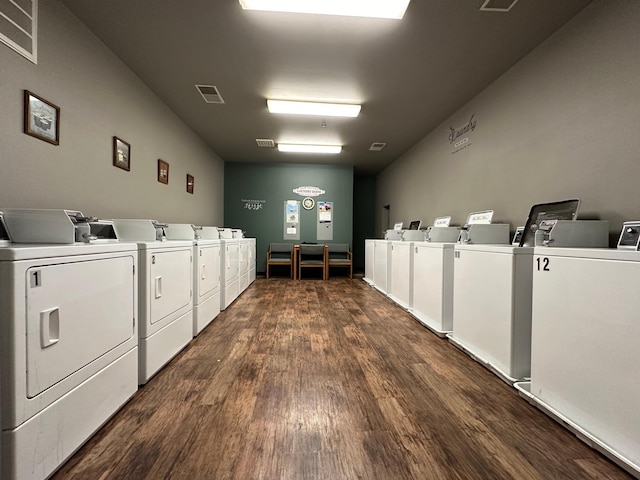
{"x":352,"y":8}
{"x":310,"y":108}
{"x":288,"y":147}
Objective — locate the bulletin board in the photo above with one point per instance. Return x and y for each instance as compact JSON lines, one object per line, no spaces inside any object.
{"x":291,"y":230}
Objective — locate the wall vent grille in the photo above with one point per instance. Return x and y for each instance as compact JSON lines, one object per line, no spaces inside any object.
{"x":19,"y":27}
{"x":210,"y":93}
{"x":497,"y":5}
{"x":265,"y":143}
{"x":377,"y":146}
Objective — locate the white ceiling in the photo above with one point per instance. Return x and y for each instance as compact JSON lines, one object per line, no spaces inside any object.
{"x":409,"y":74}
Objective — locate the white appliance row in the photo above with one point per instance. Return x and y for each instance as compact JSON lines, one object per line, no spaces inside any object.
{"x":89,"y":310}
{"x":560,"y":323}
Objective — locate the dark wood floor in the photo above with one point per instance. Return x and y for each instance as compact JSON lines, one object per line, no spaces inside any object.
{"x":330,"y":380}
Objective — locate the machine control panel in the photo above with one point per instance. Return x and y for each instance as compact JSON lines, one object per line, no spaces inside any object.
{"x":4,"y":235}
{"x":572,"y":233}
{"x":630,"y":236}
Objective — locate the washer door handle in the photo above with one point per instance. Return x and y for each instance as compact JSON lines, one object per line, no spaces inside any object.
{"x":158,"y":281}
{"x":49,"y":327}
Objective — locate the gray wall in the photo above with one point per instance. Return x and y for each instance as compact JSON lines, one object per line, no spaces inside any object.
{"x":562,"y":123}
{"x":273,"y":185}
{"x":99,"y":97}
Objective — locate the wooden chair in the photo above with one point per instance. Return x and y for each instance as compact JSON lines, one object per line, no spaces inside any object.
{"x":339,"y":255}
{"x":280,"y":254}
{"x":312,"y":256}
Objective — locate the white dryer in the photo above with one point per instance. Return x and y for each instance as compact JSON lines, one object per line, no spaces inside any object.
{"x":252,"y":260}
{"x":230,"y":267}
{"x":165,"y":292}
{"x":244,"y":246}
{"x":68,"y":323}
{"x":206,"y":270}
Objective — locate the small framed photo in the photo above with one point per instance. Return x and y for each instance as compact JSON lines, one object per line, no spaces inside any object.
{"x":163,"y":172}
{"x":189,"y":183}
{"x":121,"y":154}
{"x":41,"y":118}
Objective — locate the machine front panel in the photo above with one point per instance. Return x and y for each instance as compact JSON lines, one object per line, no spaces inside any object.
{"x":170,"y":282}
{"x":76,"y":312}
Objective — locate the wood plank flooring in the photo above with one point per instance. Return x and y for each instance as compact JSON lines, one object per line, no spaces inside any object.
{"x":328,"y":380}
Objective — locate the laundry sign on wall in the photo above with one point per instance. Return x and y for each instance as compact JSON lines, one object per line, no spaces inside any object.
{"x":308,"y":191}
{"x":459,"y":137}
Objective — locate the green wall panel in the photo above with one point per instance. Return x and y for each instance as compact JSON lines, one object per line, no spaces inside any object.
{"x":254,"y":196}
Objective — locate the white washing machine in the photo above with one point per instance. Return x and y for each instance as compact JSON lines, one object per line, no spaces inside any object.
{"x":432,"y":286}
{"x":243,"y":264}
{"x":206,"y":270}
{"x":369,"y":260}
{"x":252,"y":260}
{"x":401,"y":290}
{"x":229,"y":268}
{"x":165,"y":293}
{"x":69,"y":329}
{"x":382,"y":265}
{"x":492,"y":307}
{"x":585,"y":350}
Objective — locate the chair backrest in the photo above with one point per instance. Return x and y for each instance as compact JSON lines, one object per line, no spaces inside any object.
{"x":280,"y":247}
{"x":311,"y":250}
{"x":338,"y":247}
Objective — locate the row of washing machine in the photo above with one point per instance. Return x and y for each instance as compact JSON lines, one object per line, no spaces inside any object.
{"x":89,"y":310}
{"x":560,"y":324}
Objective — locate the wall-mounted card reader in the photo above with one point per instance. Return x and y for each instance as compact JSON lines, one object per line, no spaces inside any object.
{"x":572,"y":233}
{"x":630,"y":236}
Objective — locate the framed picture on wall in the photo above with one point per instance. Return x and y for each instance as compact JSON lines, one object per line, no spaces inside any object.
{"x":163,"y":172}
{"x":190,"y":183}
{"x":121,"y":154}
{"x":41,"y":118}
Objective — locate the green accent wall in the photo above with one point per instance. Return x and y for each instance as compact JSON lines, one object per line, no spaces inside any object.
{"x":270,"y":186}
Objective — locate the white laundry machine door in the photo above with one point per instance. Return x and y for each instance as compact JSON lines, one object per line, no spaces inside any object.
{"x":208,"y":271}
{"x":75,"y":313}
{"x":206,"y":305}
{"x":170,"y":276}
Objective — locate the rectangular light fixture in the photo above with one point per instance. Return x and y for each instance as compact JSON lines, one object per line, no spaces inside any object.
{"x":311,"y":108}
{"x":394,"y":9}
{"x":293,"y":148}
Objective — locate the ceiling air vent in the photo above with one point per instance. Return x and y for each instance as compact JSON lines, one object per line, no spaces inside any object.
{"x":210,"y":93}
{"x":19,"y":27}
{"x":497,"y":5}
{"x":265,"y":143}
{"x":377,"y":146}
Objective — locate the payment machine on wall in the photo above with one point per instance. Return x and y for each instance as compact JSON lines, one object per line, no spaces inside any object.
{"x":69,"y":329}
{"x":165,"y":291}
